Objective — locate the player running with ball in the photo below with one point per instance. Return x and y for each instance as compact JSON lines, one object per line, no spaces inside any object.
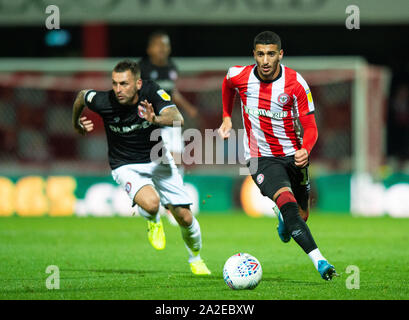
{"x":275,"y":101}
{"x":131,"y":111}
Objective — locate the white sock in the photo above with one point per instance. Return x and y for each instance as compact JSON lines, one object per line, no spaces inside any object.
{"x":148,"y":216}
{"x":193,"y":239}
{"x":315,"y":255}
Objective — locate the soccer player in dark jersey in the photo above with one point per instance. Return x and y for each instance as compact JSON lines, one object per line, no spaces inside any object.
{"x":131,"y":113}
{"x":159,"y":67}
{"x":276,"y":101}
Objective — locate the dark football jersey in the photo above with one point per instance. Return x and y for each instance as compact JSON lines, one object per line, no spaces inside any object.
{"x":164,"y":76}
{"x":128,"y":133}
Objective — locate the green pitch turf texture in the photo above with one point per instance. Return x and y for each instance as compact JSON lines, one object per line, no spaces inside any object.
{"x":110,"y":258}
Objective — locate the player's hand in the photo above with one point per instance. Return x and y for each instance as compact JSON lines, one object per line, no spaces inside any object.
{"x":225,"y":128}
{"x":83,"y":126}
{"x":301,"y":158}
{"x":146,"y":109}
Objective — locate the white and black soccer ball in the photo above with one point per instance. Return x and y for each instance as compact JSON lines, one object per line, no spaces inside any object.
{"x":242,"y":271}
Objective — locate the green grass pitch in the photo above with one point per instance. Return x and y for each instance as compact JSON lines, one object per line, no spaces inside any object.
{"x":110,"y":258}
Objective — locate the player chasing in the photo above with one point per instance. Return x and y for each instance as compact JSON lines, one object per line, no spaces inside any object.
{"x":131,"y":111}
{"x":275,"y":102}
{"x":159,"y":67}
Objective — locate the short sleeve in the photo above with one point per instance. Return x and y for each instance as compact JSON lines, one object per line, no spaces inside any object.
{"x":160,"y":99}
{"x":90,"y":99}
{"x":232,"y":73}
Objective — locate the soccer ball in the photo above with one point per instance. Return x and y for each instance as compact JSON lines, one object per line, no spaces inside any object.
{"x":242,"y":271}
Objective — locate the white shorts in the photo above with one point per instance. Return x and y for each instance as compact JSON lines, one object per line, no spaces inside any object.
{"x":172,"y":137}
{"x":165,"y":178}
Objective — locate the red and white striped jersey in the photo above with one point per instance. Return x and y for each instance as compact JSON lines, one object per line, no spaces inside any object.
{"x":270,"y":109}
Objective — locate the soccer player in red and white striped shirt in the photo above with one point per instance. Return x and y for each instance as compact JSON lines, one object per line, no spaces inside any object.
{"x":278,"y":116}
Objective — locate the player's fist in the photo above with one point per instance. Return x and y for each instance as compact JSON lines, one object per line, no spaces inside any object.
{"x":225,"y":128}
{"x":146,"y":109}
{"x":83,"y":126}
{"x":301,"y":158}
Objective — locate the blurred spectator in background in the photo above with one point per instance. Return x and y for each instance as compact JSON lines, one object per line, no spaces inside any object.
{"x":159,"y":67}
{"x":399,"y":122}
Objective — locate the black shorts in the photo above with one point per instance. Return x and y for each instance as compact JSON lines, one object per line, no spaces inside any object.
{"x":273,"y":173}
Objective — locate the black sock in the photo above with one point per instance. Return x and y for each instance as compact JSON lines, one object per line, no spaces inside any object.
{"x":297,"y":227}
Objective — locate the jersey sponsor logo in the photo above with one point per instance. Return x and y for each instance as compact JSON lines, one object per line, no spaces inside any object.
{"x":90,"y":96}
{"x":117,"y":119}
{"x":266,"y":113}
{"x":131,"y":128}
{"x":283,"y":98}
{"x":163,"y":94}
{"x":128,"y":187}
{"x":309,"y":96}
{"x":260,"y":178}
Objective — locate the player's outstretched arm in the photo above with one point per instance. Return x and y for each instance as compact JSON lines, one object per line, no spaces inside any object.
{"x":170,"y":117}
{"x":80,"y":124}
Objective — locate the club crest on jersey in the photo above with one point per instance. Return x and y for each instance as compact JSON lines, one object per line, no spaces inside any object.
{"x":260,"y":178}
{"x":283,"y":98}
{"x":128,"y":187}
{"x":140,"y":113}
{"x":163,"y":94}
{"x":265,"y":113}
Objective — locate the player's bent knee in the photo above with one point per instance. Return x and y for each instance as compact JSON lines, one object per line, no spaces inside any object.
{"x":152,"y":208}
{"x":150,"y":204}
{"x":284,"y":198}
{"x":148,"y":199}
